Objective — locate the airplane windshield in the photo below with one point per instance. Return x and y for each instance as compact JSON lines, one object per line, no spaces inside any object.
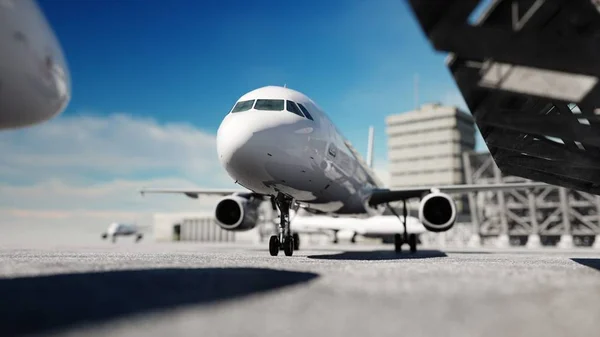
{"x":269,"y":104}
{"x":291,"y":107}
{"x":243,"y":106}
{"x":305,"y":111}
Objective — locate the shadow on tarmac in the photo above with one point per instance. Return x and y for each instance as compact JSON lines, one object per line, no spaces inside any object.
{"x":588,"y":262}
{"x":474,"y":252}
{"x":378,"y":255}
{"x":50,"y":303}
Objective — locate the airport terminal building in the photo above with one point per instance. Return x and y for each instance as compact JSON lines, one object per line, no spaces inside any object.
{"x":434,"y":145}
{"x":425,"y":145}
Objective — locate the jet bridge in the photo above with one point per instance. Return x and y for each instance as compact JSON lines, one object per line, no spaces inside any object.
{"x":528,"y":71}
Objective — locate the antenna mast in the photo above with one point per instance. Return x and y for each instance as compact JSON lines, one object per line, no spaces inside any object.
{"x":370,"y":148}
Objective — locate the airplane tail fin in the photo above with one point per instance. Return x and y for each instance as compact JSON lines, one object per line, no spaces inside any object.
{"x":370,"y":148}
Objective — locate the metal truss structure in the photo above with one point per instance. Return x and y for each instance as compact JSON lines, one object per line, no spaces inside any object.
{"x":528,"y":71}
{"x":542,"y":216}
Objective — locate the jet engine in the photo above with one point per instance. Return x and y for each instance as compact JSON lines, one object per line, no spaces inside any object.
{"x":437,"y":212}
{"x":237,"y":213}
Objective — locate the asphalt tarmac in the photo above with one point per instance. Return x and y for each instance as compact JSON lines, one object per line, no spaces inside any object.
{"x":154,"y":289}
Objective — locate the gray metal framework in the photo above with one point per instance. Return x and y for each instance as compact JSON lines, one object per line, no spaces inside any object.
{"x":551,"y":213}
{"x":528,"y":70}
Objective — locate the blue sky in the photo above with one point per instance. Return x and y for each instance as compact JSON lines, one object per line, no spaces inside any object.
{"x":188,"y":61}
{"x":152,"y":80}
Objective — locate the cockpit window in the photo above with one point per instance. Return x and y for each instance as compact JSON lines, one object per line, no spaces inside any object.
{"x":243,"y":106}
{"x":291,"y":107}
{"x":269,"y":104}
{"x":305,"y":112}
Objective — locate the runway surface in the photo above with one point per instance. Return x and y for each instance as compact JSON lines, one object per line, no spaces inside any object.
{"x":154,"y":289}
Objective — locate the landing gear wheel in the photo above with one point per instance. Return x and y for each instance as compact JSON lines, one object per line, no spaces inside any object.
{"x":398,"y":243}
{"x":274,"y":245}
{"x":285,"y":239}
{"x":399,"y":239}
{"x":288,"y":245}
{"x":412,"y":242}
{"x":296,"y":241}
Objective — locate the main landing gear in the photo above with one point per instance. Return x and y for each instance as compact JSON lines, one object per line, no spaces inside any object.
{"x":401,"y":239}
{"x":296,"y":237}
{"x":285,"y":239}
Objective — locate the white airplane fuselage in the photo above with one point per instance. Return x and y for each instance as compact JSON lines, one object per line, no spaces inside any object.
{"x":116,"y":229}
{"x":278,"y":151}
{"x":34,"y":77}
{"x":377,"y":225}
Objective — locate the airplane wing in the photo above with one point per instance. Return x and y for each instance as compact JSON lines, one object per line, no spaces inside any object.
{"x":195,"y":193}
{"x":383,"y":196}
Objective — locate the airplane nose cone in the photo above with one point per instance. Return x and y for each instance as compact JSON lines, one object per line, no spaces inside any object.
{"x":260,"y":149}
{"x":245,"y":137}
{"x":241,"y":148}
{"x":36,"y":84}
{"x":231,"y":137}
{"x":248,"y":141}
{"x":61,"y":78}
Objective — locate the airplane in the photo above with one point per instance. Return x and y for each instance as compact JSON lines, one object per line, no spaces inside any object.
{"x":120,"y":229}
{"x":378,"y":226}
{"x":279,"y":145}
{"x":35,"y":84}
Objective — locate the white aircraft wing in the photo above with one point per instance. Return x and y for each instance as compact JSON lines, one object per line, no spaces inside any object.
{"x":194,"y":193}
{"x":383,"y":196}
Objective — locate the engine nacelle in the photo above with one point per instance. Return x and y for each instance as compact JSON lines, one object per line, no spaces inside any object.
{"x":237,"y":213}
{"x":437,"y":212}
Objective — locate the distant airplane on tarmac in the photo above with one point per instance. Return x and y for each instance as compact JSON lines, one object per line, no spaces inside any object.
{"x":281,"y":146}
{"x":120,"y":229}
{"x":34,"y":77}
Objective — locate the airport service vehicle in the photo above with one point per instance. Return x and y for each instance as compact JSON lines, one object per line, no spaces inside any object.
{"x":280,"y":146}
{"x":116,"y":229}
{"x":34,"y":77}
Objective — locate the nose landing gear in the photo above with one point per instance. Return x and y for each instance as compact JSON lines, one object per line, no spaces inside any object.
{"x":285,"y":239}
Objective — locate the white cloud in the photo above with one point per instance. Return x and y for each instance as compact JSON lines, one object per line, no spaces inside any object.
{"x":118,"y":146}
{"x":73,"y":174}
